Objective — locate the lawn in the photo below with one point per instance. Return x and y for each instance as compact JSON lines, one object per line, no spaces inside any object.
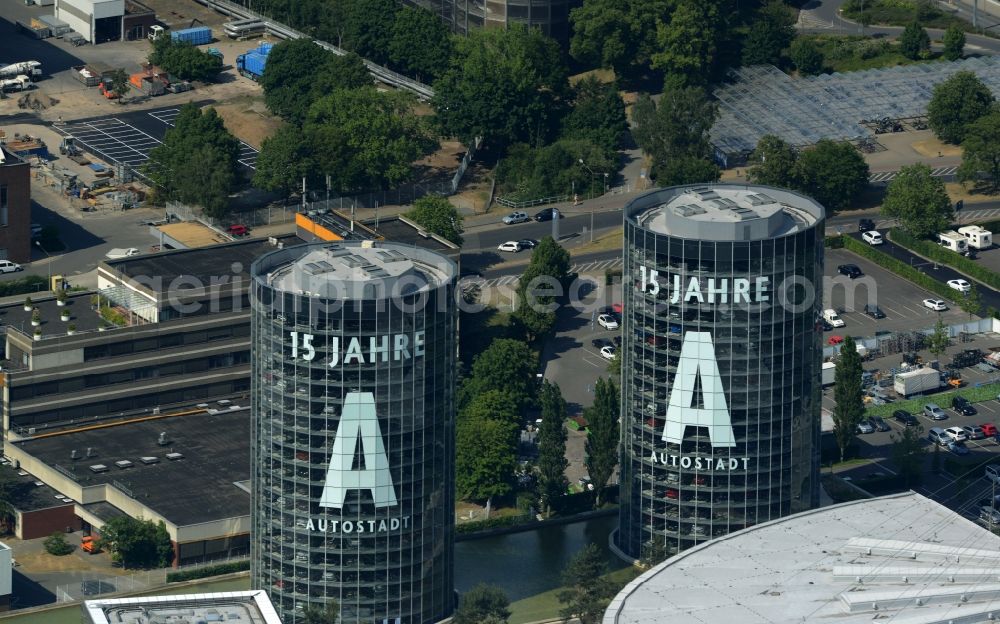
{"x":546,"y":605}
{"x":901,"y":13}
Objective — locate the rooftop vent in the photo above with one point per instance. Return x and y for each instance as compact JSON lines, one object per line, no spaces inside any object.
{"x":760,"y":199}
{"x":723,"y":203}
{"x":74,"y":454}
{"x":96,"y":468}
{"x":174,"y":456}
{"x":703,"y":192}
{"x":149,"y":460}
{"x":223,"y":401}
{"x":353,"y":261}
{"x":39,"y":484}
{"x":91,"y":452}
{"x":123,"y":464}
{"x":390,"y":255}
{"x":163,"y":440}
{"x":743,"y":213}
{"x":689,"y":210}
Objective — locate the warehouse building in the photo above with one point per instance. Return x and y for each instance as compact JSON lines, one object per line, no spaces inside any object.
{"x":354,"y":340}
{"x":97,"y":21}
{"x":720,"y":363}
{"x":898,"y":558}
{"x":15,"y":207}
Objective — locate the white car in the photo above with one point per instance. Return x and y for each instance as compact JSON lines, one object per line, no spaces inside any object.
{"x":516,"y":217}
{"x":957,"y":434}
{"x":960,"y":285}
{"x":510,"y":246}
{"x":935,"y":304}
{"x":118,"y":253}
{"x":872,"y":237}
{"x":831,"y":317}
{"x":607,"y":321}
{"x":608,"y":352}
{"x":6,"y":266}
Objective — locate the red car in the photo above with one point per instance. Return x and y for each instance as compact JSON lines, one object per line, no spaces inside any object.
{"x":989,"y":429}
{"x":672,"y":494}
{"x":835,"y":340}
{"x":238,"y":230}
{"x":617,"y":307}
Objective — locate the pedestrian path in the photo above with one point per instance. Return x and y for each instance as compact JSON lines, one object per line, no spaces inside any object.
{"x":887,"y":176}
{"x":586,"y":268}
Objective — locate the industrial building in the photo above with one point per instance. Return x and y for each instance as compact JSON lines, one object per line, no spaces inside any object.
{"x":463,"y":16}
{"x":898,"y":558}
{"x":97,"y":21}
{"x":354,"y":341}
{"x":15,"y":207}
{"x":720,"y":363}
{"x":243,"y":607}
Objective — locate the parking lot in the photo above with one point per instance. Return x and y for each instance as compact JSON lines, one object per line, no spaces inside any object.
{"x":247,"y":156}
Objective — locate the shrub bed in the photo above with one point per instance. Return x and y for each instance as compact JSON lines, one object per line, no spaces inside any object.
{"x":23,"y":286}
{"x":491,"y":523}
{"x":948,"y":257}
{"x":207,"y":571}
{"x":974,"y":395}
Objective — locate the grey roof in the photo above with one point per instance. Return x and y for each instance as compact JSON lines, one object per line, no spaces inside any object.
{"x":249,"y":607}
{"x":901,"y":558}
{"x":764,"y":100}
{"x":724,"y":212}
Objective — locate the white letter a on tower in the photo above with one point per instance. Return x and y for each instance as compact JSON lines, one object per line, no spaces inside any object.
{"x":697,"y":362}
{"x":358,"y":419}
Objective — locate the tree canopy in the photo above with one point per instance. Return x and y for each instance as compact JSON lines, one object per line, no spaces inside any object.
{"x":420,"y":45}
{"x":954,"y":43}
{"x":833,"y":173}
{"x":849,"y":406}
{"x":327,"y":614}
{"x":602,"y":435}
{"x":481,"y":603}
{"x":196,"y":163}
{"x":486,"y":446}
{"x":552,"y":170}
{"x":439,"y":216}
{"x":184,"y":60}
{"x":507,"y":365}
{"x":914,"y":42}
{"x":981,"y":151}
{"x":806,"y":56}
{"x":688,"y":43}
{"x":675,"y":134}
{"x":771,"y":32}
{"x":137,"y":543}
{"x":368,"y":28}
{"x":616,"y":34}
{"x":283,"y":161}
{"x":919,"y":201}
{"x":505,"y":85}
{"x":956,"y":103}
{"x":552,"y":461}
{"x":587,"y":592}
{"x":597,"y":115}
{"x":773,"y":163}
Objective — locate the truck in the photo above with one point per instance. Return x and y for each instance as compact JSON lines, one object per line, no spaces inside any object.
{"x":31,"y":69}
{"x":156,"y":32}
{"x":18,"y":83}
{"x":198,"y":35}
{"x":149,"y":84}
{"x":829,"y":373}
{"x":977,"y":236}
{"x":251,"y":65}
{"x":917,"y":381}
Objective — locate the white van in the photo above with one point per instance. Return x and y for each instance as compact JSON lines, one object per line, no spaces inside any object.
{"x":831,"y":317}
{"x":953,"y":241}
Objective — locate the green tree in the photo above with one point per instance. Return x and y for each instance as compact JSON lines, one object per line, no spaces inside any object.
{"x":981,"y":151}
{"x":57,"y":545}
{"x":597,"y":114}
{"x":481,"y":603}
{"x":368,"y":28}
{"x":770,"y":34}
{"x":327,"y":614}
{"x":677,"y":129}
{"x":196,"y":163}
{"x":486,"y":453}
{"x":971,"y":301}
{"x":689,"y":42}
{"x":535,"y":172}
{"x":552,"y":461}
{"x":833,"y":173}
{"x":283,"y":161}
{"x":918,"y":200}
{"x":849,"y":406}
{"x":550,"y":258}
{"x":954,"y":43}
{"x":505,"y":85}
{"x":136,"y":543}
{"x":939,"y":340}
{"x":956,"y":103}
{"x":602,"y":436}
{"x":119,"y":84}
{"x":506,"y":365}
{"x":184,"y":60}
{"x":806,"y":56}
{"x":365,"y":139}
{"x":914,"y":42}
{"x":616,"y":34}
{"x":587,"y":592}
{"x":908,"y":454}
{"x":773,"y":162}
{"x":439,"y":216}
{"x":536,"y":292}
{"x":420,"y":45}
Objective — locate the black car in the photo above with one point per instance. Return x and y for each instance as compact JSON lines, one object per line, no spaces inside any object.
{"x":879,"y":422}
{"x":527,"y":243}
{"x":826,"y":325}
{"x":546,"y":214}
{"x":963,"y":407}
{"x":865,"y":225}
{"x":850,"y":270}
{"x":874,"y":311}
{"x":905,"y":418}
{"x":598,"y":343}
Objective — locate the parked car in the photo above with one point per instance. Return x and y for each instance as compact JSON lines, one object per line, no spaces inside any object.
{"x":993,"y":473}
{"x":935,"y":304}
{"x":528,"y":243}
{"x":989,"y":515}
{"x":865,"y":426}
{"x":989,"y":429}
{"x":974,"y":432}
{"x":963,"y":407}
{"x":932,"y":411}
{"x":512,"y":246}
{"x":831,"y":317}
{"x":672,"y":494}
{"x":546,"y":214}
{"x":865,"y":225}
{"x":958,"y":448}
{"x":905,"y":418}
{"x":874,"y":311}
{"x":6,"y":266}
{"x":119,"y":253}
{"x":938,"y":436}
{"x":957,"y":434}
{"x":825,"y":324}
{"x":607,"y":321}
{"x":850,"y":270}
{"x":879,"y":423}
{"x":872,"y":237}
{"x":960,"y":285}
{"x":239,"y":230}
{"x":608,"y":352}
{"x":516,"y":217}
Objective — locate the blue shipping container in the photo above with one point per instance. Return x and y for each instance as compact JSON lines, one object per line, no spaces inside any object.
{"x":195,"y":36}
{"x":254,"y":63}
{"x":264,"y":48}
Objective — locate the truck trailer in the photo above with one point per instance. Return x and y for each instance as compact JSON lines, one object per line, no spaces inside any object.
{"x":31,"y":69}
{"x":917,"y":381}
{"x":977,"y":236}
{"x":199,"y":35}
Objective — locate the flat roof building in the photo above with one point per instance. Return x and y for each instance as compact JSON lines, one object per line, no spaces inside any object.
{"x":15,"y":207}
{"x":901,"y":558}
{"x":250,"y":607}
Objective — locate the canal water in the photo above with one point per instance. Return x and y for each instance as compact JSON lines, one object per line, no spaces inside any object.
{"x":523,"y":564}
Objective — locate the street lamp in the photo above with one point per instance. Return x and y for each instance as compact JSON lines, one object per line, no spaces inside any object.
{"x":592,"y":174}
{"x":38,"y":243}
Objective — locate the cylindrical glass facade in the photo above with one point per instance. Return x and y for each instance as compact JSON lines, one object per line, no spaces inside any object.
{"x":720,"y":363}
{"x":354,"y":364}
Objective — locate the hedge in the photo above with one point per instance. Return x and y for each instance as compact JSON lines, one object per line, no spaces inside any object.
{"x":207,"y":571}
{"x":945,"y":256}
{"x":899,"y":267}
{"x":27,"y":285}
{"x":975,"y":394}
{"x":491,"y":523}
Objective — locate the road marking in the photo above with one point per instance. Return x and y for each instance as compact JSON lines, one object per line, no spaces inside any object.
{"x":247,"y":155}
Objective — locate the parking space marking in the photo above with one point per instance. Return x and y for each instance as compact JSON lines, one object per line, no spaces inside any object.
{"x":112,"y":140}
{"x":247,"y":155}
